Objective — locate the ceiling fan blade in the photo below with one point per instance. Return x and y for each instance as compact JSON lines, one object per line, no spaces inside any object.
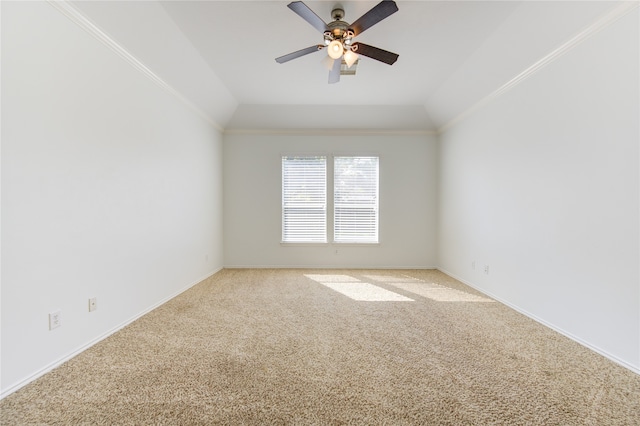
{"x":334,"y":74}
{"x":375,"y":53}
{"x":379,"y":12}
{"x":308,"y":15}
{"x":298,"y":53}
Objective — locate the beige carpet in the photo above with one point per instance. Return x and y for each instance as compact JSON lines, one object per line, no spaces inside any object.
{"x":288,"y":347}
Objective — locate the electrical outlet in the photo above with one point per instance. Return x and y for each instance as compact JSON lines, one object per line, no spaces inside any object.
{"x":486,"y":269}
{"x":93,"y":304}
{"x":55,"y":320}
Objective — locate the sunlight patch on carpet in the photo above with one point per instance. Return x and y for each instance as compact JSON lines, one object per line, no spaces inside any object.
{"x":393,"y":279}
{"x":431,"y":291}
{"x":356,"y":289}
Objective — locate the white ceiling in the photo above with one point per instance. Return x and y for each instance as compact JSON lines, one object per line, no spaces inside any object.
{"x":220,"y":55}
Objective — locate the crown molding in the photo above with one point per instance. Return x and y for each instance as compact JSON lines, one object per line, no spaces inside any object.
{"x":68,"y":10}
{"x":598,"y":25}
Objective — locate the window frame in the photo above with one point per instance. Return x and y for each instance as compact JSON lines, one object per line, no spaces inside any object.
{"x":376,"y":207}
{"x":284,"y":207}
{"x":329,"y":209}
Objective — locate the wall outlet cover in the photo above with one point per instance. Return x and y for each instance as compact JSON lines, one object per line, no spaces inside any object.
{"x":55,"y":320}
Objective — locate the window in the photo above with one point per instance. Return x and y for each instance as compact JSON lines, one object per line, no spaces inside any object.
{"x":355,"y":195}
{"x":304,"y":199}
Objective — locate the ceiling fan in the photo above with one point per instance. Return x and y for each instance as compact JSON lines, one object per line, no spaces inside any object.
{"x":338,"y":36}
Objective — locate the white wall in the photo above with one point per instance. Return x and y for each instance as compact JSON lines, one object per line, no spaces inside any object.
{"x":111,"y":188}
{"x":150,"y":34}
{"x":542,"y":185}
{"x":252,"y":201}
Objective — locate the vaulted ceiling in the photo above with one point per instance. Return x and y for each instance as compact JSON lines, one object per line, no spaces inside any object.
{"x":219,"y":55}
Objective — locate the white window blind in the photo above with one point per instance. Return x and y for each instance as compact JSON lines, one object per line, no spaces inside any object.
{"x":355,"y":199}
{"x":304,"y":199}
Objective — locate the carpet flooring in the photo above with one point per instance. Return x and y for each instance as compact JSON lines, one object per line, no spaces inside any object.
{"x":331,"y":347}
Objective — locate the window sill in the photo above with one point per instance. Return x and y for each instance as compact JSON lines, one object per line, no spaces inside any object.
{"x":301,"y":244}
{"x":342,"y":244}
{"x":355,"y":244}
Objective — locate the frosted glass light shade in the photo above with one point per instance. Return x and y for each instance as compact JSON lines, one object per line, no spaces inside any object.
{"x":350,"y":58}
{"x":335,"y":49}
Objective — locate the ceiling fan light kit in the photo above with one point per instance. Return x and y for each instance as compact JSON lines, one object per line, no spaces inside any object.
{"x":336,"y":49}
{"x":350,"y":58}
{"x":338,"y":37}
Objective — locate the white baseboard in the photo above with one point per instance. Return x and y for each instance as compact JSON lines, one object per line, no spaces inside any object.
{"x":84,"y":347}
{"x":77,"y":351}
{"x":565,"y":333}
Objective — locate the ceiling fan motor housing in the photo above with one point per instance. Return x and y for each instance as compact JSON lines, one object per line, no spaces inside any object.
{"x":338,"y":29}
